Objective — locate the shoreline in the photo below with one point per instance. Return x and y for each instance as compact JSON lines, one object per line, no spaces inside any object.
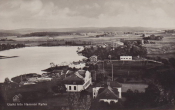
{"x":5,"y":57}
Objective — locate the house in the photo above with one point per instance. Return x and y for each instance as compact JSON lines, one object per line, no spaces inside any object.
{"x":133,"y":84}
{"x":26,"y":77}
{"x":132,"y":41}
{"x":140,"y":87}
{"x":77,"y":65}
{"x":17,"y":98}
{"x":109,"y":93}
{"x":113,"y":84}
{"x":59,"y":73}
{"x":78,"y":81}
{"x":117,"y":43}
{"x":125,"y":58}
{"x":93,"y":58}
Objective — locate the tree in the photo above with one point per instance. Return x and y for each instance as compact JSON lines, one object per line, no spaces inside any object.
{"x":6,"y":81}
{"x":78,"y":102}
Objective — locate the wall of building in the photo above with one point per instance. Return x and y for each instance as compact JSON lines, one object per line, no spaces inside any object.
{"x":95,"y":91}
{"x":78,"y":88}
{"x":125,"y":57}
{"x":87,"y":83}
{"x":120,"y":91}
{"x":109,"y":100}
{"x":133,"y":87}
{"x":81,"y":65}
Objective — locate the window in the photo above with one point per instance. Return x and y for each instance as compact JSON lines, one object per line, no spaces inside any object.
{"x":69,"y":87}
{"x":75,"y":88}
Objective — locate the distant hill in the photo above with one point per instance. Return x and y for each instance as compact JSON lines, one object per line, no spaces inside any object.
{"x":27,"y":31}
{"x":86,"y":29}
{"x":6,"y":33}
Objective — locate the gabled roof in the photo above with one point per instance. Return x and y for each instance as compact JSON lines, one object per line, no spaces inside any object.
{"x":108,"y":93}
{"x":82,"y":73}
{"x":73,"y":79}
{"x":77,"y":76}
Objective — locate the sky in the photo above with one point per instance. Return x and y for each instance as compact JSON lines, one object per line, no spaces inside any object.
{"x":16,"y":14}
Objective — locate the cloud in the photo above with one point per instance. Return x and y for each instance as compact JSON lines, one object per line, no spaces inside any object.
{"x":80,"y":13}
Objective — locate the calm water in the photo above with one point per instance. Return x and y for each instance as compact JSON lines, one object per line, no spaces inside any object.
{"x":34,"y":59}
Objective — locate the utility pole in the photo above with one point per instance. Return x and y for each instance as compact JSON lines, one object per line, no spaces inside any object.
{"x":103,"y":65}
{"x":112,"y":67}
{"x":112,"y":73}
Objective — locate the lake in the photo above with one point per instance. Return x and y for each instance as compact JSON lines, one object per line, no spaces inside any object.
{"x":35,"y":59}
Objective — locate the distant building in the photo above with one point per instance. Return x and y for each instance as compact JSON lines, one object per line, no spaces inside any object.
{"x":134,"y":87}
{"x":93,"y":58}
{"x":134,"y":41}
{"x":77,"y":65}
{"x":125,"y":57}
{"x":78,"y":81}
{"x":118,"y":43}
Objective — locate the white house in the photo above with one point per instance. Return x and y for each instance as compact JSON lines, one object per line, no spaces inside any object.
{"x":125,"y":58}
{"x":117,"y":43}
{"x":78,"y":81}
{"x":93,"y":58}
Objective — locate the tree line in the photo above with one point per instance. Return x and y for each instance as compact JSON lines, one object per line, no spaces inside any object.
{"x":128,"y":49}
{"x":10,"y":46}
{"x":47,"y":34}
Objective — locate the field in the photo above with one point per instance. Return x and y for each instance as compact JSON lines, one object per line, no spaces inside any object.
{"x":163,"y":48}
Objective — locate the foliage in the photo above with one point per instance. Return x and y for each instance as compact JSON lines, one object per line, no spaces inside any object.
{"x":103,"y":53}
{"x":77,"y":101}
{"x":162,"y":87}
{"x":10,"y":46}
{"x":47,"y":34}
{"x":153,"y":37}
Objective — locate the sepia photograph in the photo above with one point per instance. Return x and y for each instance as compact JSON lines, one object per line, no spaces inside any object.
{"x":87,"y":54}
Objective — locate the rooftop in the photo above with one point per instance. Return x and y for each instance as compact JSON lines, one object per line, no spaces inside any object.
{"x":75,"y":78}
{"x":107,"y":93}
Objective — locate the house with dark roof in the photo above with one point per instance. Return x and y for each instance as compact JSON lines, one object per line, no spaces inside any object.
{"x":107,"y":95}
{"x":78,"y":81}
{"x":107,"y":92}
